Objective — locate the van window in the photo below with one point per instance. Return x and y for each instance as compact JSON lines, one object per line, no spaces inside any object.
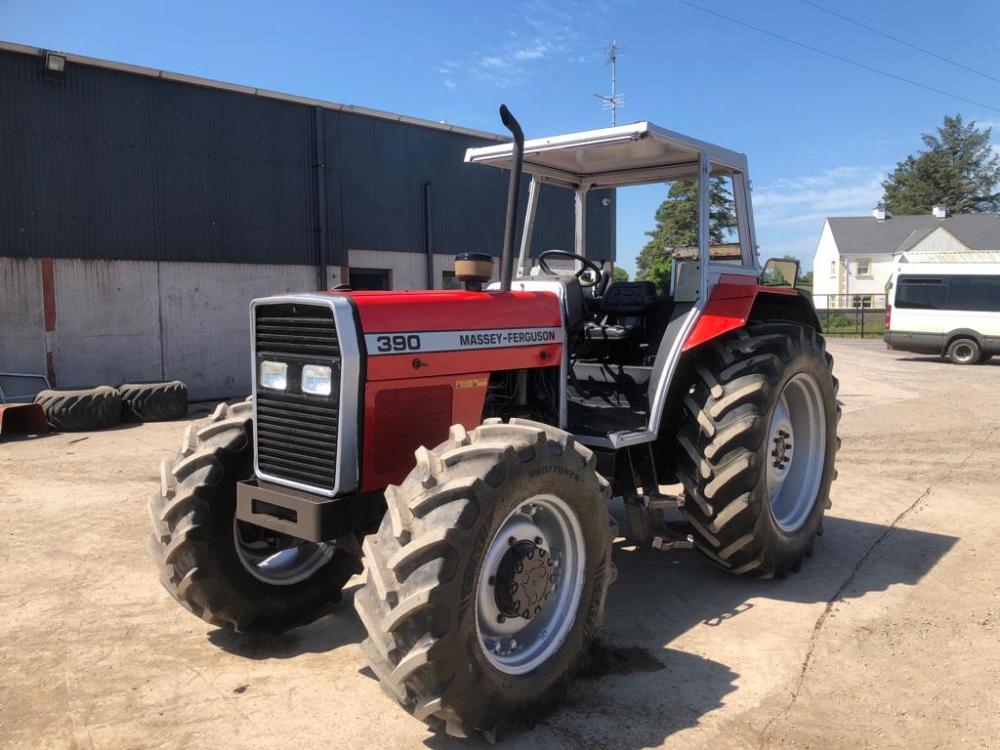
{"x":965,"y":293}
{"x":920,"y":292}
{"x":979,"y":293}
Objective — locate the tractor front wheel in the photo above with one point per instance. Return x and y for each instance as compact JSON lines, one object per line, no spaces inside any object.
{"x":488,"y":576}
{"x":757,"y":444}
{"x":230,"y":573}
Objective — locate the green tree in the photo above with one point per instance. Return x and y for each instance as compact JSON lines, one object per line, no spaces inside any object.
{"x":958,"y":169}
{"x":677,"y":226}
{"x":620,"y":274}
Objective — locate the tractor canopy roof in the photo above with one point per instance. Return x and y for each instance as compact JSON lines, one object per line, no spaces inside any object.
{"x":633,"y":154}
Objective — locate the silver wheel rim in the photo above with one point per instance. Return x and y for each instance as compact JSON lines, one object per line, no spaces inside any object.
{"x":963,"y":352}
{"x":547,"y":527}
{"x":796,"y":451}
{"x":276,"y":558}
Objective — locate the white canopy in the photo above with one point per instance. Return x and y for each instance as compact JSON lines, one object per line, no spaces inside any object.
{"x":623,"y":155}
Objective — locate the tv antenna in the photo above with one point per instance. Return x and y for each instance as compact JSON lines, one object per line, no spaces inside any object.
{"x":614,"y":100}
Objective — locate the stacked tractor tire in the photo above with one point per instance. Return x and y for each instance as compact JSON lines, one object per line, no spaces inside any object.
{"x":100,"y":407}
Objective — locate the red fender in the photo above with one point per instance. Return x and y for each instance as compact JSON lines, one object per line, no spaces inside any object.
{"x":730,"y":305}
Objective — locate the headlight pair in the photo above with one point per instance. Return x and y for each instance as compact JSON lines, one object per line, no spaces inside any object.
{"x":317,"y":380}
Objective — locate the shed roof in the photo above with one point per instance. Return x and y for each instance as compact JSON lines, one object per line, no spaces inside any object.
{"x":265,"y":93}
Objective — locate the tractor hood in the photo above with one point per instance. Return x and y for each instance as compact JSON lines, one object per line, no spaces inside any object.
{"x":408,"y":334}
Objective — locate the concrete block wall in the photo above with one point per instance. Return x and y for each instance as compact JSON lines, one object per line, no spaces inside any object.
{"x":109,"y":321}
{"x":408,"y":270}
{"x":94,"y":322}
{"x":22,"y":327}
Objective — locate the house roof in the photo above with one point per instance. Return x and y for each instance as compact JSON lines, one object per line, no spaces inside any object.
{"x":865,"y":234}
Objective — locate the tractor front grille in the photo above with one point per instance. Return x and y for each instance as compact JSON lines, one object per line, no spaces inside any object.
{"x":296,"y":433}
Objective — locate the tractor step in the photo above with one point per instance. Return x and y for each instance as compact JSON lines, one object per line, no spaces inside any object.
{"x":659,"y":502}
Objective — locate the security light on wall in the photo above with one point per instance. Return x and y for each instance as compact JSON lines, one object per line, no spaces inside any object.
{"x":55,"y":65}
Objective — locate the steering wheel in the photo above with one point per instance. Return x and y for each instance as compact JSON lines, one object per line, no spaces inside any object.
{"x":588,"y":265}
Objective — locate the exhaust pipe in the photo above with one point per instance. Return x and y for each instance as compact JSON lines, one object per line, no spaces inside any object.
{"x":510,"y":225}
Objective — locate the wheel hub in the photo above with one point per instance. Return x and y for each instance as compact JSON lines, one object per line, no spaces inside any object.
{"x":525,"y":579}
{"x":530,"y":583}
{"x":781,"y":454}
{"x":794,"y":476}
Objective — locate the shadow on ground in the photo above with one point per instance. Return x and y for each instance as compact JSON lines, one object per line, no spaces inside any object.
{"x":993,"y":362}
{"x":636,"y":691}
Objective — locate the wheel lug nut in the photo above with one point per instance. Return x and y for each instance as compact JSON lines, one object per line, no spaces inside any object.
{"x":492,"y":580}
{"x":501,"y":619}
{"x":511,"y":541}
{"x":538,"y":540}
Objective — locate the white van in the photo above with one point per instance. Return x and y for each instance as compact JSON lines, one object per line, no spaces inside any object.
{"x":948,"y":309}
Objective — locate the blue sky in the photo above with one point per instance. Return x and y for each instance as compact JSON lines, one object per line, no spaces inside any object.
{"x":820,"y":134}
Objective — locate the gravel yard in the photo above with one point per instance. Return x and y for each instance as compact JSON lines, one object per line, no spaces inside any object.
{"x":888,"y":637}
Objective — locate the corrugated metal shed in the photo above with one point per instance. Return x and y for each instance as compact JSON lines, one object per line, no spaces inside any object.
{"x":122,"y":162}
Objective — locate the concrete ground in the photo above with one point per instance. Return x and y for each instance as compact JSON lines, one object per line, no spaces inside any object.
{"x":887,"y":638}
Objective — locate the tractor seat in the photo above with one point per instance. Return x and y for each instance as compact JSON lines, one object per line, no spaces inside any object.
{"x":626,"y":302}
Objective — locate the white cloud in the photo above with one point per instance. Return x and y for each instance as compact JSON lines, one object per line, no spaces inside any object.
{"x":789,"y":212}
{"x":539,"y":31}
{"x":849,"y":190}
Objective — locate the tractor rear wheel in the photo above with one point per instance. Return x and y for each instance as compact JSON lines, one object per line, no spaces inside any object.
{"x":230,"y":573}
{"x":488,"y":576}
{"x":758,"y":439}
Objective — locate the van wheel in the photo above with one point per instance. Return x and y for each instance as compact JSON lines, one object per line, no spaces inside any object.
{"x":964,"y":352}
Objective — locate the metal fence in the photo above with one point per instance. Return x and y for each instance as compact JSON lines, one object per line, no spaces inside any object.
{"x":860,"y":315}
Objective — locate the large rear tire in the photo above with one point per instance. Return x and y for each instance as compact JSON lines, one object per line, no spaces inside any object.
{"x":758,"y":439}
{"x":228,"y":573}
{"x":488,"y":576}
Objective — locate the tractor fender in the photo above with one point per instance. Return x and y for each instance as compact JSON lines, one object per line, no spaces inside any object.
{"x":735,"y":299}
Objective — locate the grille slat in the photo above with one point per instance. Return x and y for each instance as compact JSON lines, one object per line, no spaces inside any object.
{"x":297,"y":433}
{"x":291,"y":418}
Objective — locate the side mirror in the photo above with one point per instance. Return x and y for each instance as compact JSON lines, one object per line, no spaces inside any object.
{"x":779,"y":272}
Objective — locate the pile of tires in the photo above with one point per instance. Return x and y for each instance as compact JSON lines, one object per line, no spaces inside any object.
{"x":100,"y":407}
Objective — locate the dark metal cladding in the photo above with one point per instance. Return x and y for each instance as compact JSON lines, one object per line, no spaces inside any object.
{"x":296,"y":433}
{"x":117,"y":165}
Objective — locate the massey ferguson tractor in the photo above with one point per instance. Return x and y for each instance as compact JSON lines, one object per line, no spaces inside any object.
{"x":462,"y":446}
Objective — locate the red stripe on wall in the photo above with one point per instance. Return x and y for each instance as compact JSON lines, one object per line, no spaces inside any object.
{"x":49,"y":293}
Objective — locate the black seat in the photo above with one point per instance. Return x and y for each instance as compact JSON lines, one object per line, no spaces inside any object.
{"x":626,"y":302}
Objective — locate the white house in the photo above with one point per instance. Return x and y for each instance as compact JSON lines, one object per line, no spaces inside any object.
{"x":855,"y":254}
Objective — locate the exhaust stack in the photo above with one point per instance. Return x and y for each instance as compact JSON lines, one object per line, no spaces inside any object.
{"x":510,"y":225}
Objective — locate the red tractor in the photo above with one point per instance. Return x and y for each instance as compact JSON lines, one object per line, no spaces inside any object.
{"x":463,"y":445}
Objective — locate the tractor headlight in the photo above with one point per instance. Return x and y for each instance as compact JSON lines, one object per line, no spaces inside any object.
{"x":274,"y":375}
{"x":317,"y":380}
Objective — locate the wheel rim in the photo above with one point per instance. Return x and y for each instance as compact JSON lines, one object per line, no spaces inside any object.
{"x":796,"y":451}
{"x":277,"y":558}
{"x":534,"y":565}
{"x":963,"y":352}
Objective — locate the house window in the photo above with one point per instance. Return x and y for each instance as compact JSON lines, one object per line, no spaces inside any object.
{"x":863,"y":266}
{"x":833,"y":269}
{"x":861,"y":300}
